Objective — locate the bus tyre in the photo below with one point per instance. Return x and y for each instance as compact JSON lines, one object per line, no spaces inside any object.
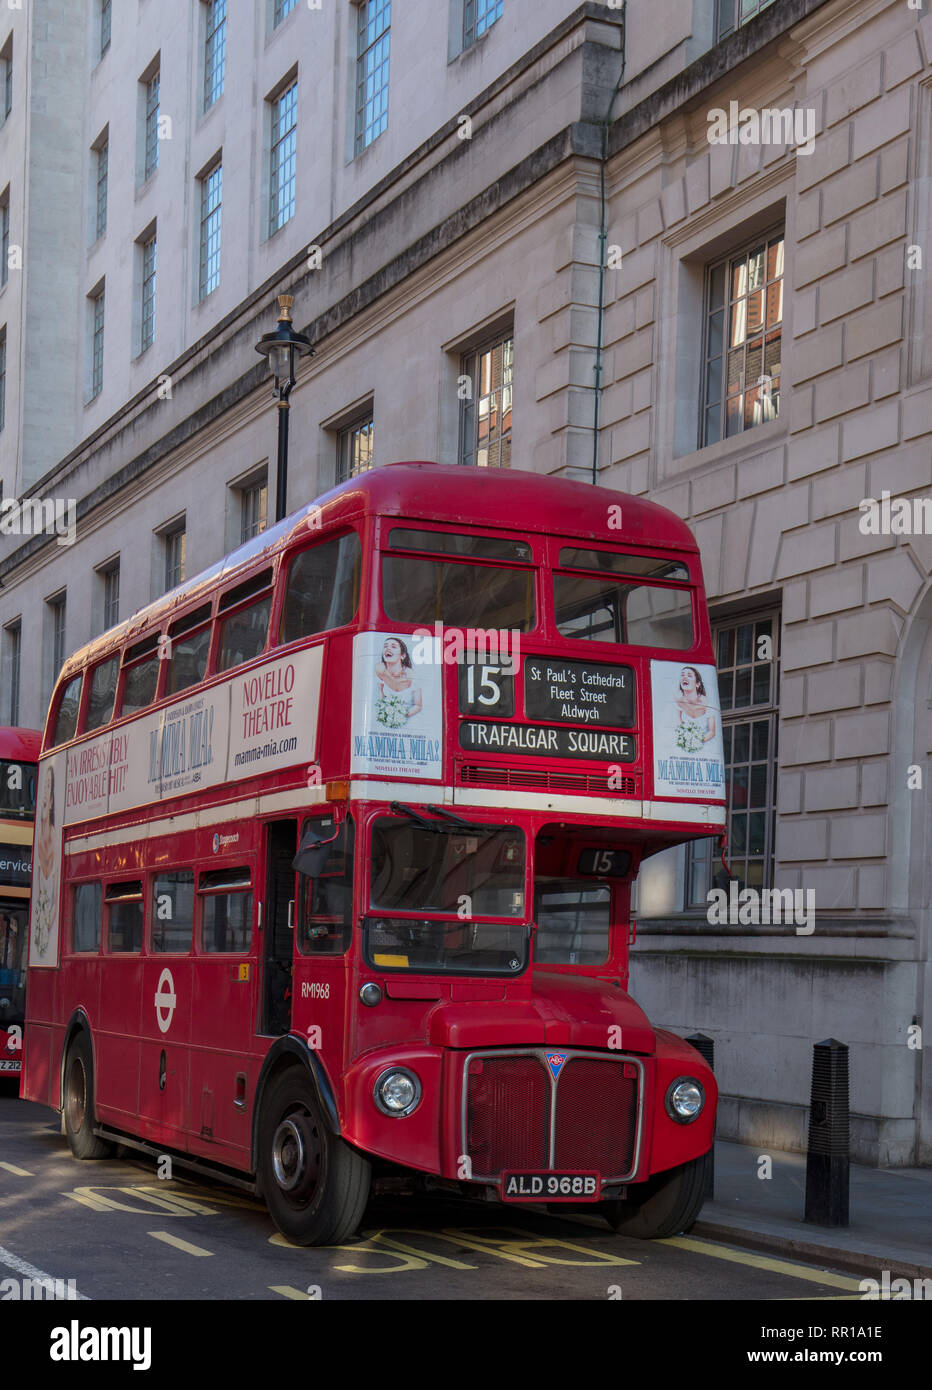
{"x":78,"y":1108}
{"x":666,"y":1205}
{"x":314,"y":1185}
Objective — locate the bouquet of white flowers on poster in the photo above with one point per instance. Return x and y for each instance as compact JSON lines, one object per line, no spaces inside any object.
{"x":397,"y":706}
{"x":687,"y":727}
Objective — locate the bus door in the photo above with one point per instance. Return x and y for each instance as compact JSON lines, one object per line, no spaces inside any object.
{"x":278,"y":927}
{"x":323,"y":932}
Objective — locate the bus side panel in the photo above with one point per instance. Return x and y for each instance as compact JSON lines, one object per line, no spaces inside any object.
{"x":165,"y":1031}
{"x":116,"y":1040}
{"x":37,"y":1065}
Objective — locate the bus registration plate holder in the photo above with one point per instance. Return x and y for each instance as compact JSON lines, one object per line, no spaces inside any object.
{"x":551,"y":1187}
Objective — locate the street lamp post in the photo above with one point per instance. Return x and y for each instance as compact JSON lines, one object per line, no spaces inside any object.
{"x":281,"y":347}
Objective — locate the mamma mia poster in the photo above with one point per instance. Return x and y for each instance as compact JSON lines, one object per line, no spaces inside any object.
{"x":397,"y":706}
{"x":687,"y":721}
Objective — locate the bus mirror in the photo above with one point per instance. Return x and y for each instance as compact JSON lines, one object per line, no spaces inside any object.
{"x":313,"y":851}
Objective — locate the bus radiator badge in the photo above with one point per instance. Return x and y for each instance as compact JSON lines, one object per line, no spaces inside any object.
{"x":555,"y":1062}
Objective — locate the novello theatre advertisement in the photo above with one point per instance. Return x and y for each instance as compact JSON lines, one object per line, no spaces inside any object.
{"x":689,"y":757}
{"x":397,"y":705}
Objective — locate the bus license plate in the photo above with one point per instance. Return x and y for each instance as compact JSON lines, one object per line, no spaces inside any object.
{"x":9,"y":1066}
{"x":550,"y":1187}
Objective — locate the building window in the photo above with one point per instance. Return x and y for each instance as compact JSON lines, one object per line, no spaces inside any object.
{"x":209,"y":264}
{"x":174,"y":543}
{"x":748,"y":661}
{"x":111,"y":594}
{"x":743,"y":340}
{"x":733,"y":13}
{"x":57,"y":632}
{"x":254,"y":501}
{"x":284,"y":157}
{"x":97,"y":343}
{"x":6,"y":58}
{"x":355,"y":449}
{"x":104,"y":26}
{"x":372,"y":71}
{"x":103,"y":160}
{"x":151,"y":161}
{"x":14,"y":644}
{"x":478,"y":16}
{"x":5,"y":237}
{"x":282,"y":7}
{"x":147,"y":306}
{"x":2,"y":377}
{"x":215,"y":50}
{"x":486,"y":422}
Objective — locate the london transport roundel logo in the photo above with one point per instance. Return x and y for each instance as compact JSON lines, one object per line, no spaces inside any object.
{"x":216,"y":842}
{"x":165,"y":1001}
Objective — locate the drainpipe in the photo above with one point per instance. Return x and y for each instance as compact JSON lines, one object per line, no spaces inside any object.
{"x":603,"y":237}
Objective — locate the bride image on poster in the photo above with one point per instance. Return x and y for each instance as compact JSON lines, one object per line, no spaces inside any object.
{"x":696,"y":721}
{"x":45,"y":900}
{"x":400,"y":697}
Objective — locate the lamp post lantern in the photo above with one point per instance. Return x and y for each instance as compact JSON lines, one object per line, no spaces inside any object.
{"x":281,"y":348}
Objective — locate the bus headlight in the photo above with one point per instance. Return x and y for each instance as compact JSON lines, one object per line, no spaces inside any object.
{"x":397,"y":1092}
{"x":684,"y":1099}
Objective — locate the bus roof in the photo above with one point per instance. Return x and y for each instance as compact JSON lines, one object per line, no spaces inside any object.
{"x":505,"y":499}
{"x":19,"y":745}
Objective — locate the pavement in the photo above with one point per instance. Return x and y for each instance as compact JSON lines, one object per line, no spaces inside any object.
{"x":890,"y":1213}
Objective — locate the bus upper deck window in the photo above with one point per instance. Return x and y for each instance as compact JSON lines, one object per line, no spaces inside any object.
{"x":459,"y":593}
{"x":323,"y":588}
{"x":66,"y":721}
{"x":245,"y":627}
{"x":141,"y":668}
{"x":102,"y":693}
{"x":605,"y":607}
{"x":190,"y":646}
{"x":457,"y":543}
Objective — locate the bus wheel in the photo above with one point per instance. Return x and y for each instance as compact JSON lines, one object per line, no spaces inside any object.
{"x":666,"y":1205}
{"x":79,"y":1102}
{"x":314,"y":1185}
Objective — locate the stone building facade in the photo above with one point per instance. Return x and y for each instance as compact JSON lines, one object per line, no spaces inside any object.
{"x":538,"y":209}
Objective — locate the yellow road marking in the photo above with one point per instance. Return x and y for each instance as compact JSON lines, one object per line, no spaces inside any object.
{"x":287,"y":1291}
{"x":178,"y":1243}
{"x":382,"y":1239}
{"x":17,"y":1172}
{"x":738,"y":1257}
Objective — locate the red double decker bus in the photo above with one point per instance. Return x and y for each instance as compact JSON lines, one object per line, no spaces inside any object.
{"x":19,"y":756}
{"x":345,"y":830}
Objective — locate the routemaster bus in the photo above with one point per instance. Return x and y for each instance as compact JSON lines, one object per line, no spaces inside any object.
{"x":335,"y":850}
{"x":19,"y":756}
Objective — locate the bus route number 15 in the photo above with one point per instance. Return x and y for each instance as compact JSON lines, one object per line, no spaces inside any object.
{"x":486,"y":690}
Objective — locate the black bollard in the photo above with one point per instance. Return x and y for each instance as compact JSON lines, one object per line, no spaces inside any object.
{"x":705,"y":1046}
{"x":827,"y":1158}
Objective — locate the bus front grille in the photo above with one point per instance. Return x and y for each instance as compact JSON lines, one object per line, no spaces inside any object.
{"x":520,"y":1116}
{"x":583,"y":783}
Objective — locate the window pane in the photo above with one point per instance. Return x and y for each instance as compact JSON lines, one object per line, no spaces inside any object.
{"x":189,"y":660}
{"x":88,"y":899}
{"x":323,"y":588}
{"x":103,"y":691}
{"x":325,"y":920}
{"x":226,"y":921}
{"x":450,"y":543}
{"x":572,"y":923}
{"x":67,"y":720}
{"x":173,"y":911}
{"x":139,"y":686}
{"x":243,"y":635}
{"x":457,"y":595}
{"x":575,"y":558}
{"x":125,"y":929}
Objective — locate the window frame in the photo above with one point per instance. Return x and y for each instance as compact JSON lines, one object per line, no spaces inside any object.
{"x":101,"y":184}
{"x":152,"y":879}
{"x":472,"y":19}
{"x":215,"y":53}
{"x":148,"y":253}
{"x":277,"y":163}
{"x":152,"y":84}
{"x":728,"y":18}
{"x":76,"y":888}
{"x":471,"y":366}
{"x":210,"y":236}
{"x":347,"y":436}
{"x":700,"y":852}
{"x":109,"y":898}
{"x":765,"y":238}
{"x":98,"y":302}
{"x":220,"y":890}
{"x":364,"y":131}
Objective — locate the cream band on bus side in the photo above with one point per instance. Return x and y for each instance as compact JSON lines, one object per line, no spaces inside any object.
{"x":397,"y":726}
{"x":689,"y":759}
{"x":258,"y":721}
